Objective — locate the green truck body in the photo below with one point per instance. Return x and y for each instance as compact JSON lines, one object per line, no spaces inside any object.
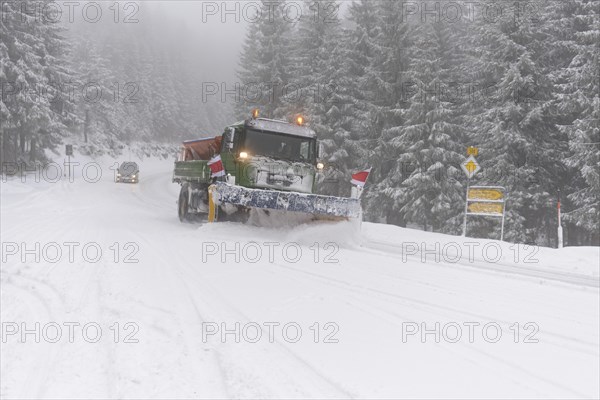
{"x":257,"y":163}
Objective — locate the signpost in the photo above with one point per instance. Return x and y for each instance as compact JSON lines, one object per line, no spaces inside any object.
{"x":470,"y":167}
{"x":486,"y":201}
{"x":69,"y":153}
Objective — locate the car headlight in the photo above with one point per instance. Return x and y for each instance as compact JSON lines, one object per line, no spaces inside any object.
{"x":320,"y":166}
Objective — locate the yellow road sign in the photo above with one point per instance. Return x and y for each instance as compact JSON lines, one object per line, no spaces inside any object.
{"x":470,"y":166}
{"x":481,"y":193}
{"x":472,"y":151}
{"x":485,"y":201}
{"x":486,"y":208}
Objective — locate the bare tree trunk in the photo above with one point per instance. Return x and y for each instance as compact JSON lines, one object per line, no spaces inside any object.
{"x":32,"y":150}
{"x":86,"y":125}
{"x":21,"y":140}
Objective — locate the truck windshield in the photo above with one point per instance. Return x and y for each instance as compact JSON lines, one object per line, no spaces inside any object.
{"x":280,"y":146}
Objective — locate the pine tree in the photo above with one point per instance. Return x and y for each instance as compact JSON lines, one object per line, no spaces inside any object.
{"x":386,"y":78}
{"x":93,"y":101}
{"x":265,"y":67}
{"x":520,"y":146}
{"x":576,"y":25}
{"x":36,"y":105}
{"x":422,"y":185}
{"x":346,"y":146}
{"x":320,"y":80}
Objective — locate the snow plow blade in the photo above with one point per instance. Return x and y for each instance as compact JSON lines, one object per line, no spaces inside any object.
{"x":318,"y":205}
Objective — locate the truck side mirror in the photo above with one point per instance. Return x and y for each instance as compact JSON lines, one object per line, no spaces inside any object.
{"x":319,"y":150}
{"x":230,"y":138}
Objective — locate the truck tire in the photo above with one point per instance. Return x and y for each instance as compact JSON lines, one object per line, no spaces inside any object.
{"x":183,"y":205}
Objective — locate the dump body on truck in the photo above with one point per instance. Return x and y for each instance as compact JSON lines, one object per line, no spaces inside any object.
{"x":192,"y":165}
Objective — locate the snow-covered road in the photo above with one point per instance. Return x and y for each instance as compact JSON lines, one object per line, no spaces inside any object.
{"x":119,"y":299}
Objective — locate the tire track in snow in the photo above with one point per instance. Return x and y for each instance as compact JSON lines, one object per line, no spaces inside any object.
{"x":574,"y":317}
{"x":175,"y":280}
{"x":236,"y":314}
{"x":56,"y":226}
{"x":51,"y":304}
{"x":563,"y":277}
{"x":190,"y":273}
{"x":433,"y":308}
{"x":397,"y":319}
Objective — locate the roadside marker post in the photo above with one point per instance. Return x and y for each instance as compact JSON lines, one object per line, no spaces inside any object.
{"x":69,"y":153}
{"x":470,"y":167}
{"x":560,"y":228}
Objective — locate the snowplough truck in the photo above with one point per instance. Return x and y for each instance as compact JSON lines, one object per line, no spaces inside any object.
{"x":256,"y":166}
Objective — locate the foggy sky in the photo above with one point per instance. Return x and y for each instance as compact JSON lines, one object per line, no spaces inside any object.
{"x":218,"y":35}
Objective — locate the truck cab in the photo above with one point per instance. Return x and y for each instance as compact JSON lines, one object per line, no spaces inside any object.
{"x":269,"y":154}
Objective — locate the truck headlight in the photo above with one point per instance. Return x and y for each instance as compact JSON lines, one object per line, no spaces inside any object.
{"x":320,"y":166}
{"x":243,"y":155}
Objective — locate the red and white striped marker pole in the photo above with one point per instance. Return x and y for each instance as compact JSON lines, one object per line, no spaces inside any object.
{"x":560,"y":229}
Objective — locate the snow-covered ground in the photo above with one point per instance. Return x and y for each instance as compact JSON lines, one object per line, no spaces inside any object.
{"x":131,"y":303}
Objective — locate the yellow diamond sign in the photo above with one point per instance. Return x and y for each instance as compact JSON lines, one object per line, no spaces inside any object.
{"x":470,"y":166}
